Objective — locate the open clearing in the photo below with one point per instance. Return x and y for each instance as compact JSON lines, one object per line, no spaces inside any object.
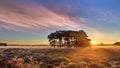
{"x":47,"y":57}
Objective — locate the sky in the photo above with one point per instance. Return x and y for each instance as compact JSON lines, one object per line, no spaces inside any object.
{"x":30,"y":21}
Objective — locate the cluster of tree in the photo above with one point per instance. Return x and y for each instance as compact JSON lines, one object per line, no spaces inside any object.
{"x":117,"y":43}
{"x":3,"y":44}
{"x":69,"y":39}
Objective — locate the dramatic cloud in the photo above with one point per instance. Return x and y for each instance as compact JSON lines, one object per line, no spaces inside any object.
{"x":21,"y":17}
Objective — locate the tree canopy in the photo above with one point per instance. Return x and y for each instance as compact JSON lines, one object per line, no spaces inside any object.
{"x":69,"y":39}
{"x":117,"y":43}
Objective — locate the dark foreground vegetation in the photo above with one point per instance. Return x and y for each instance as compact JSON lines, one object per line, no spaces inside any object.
{"x":69,"y":39}
{"x":91,"y":57}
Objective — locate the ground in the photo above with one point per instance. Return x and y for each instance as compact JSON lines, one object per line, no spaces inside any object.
{"x":47,"y":57}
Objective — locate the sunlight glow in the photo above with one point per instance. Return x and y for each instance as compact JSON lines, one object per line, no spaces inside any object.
{"x":93,"y":42}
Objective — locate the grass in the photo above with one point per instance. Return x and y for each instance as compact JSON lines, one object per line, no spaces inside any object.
{"x":91,"y":57}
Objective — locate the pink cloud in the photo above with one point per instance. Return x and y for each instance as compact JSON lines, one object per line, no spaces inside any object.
{"x":22,"y":17}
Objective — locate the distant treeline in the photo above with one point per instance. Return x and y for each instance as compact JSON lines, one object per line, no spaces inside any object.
{"x":3,"y":44}
{"x":117,"y":43}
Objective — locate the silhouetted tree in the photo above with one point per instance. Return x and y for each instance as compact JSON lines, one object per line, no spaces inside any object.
{"x":101,"y":43}
{"x":117,"y":43}
{"x":52,"y":39}
{"x":69,"y":38}
{"x":3,"y":44}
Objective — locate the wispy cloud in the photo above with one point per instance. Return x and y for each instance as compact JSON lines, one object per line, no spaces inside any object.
{"x":21,"y":17}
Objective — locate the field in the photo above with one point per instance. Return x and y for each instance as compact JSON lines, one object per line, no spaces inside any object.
{"x":47,"y":57}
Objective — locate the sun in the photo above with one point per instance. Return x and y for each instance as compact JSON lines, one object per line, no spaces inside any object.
{"x":93,"y":42}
